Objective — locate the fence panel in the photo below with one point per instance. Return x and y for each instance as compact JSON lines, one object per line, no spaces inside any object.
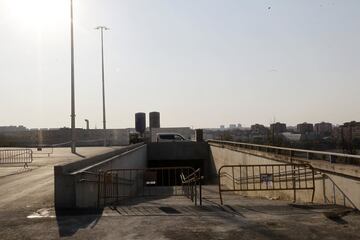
{"x":16,"y":156}
{"x":272,"y":177}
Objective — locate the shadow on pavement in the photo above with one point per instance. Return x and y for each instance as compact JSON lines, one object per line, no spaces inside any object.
{"x":79,"y":155}
{"x":69,"y":221}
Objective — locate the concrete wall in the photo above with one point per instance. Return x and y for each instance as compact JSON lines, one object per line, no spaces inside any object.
{"x":86,"y":185}
{"x":171,"y":154}
{"x":178,"y":150}
{"x":72,"y":180}
{"x":349,"y":185}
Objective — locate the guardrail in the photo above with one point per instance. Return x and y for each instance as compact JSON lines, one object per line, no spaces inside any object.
{"x":291,"y":153}
{"x":270,"y":177}
{"x":16,"y":156}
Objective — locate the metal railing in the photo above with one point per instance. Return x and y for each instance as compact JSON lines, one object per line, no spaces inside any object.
{"x":335,"y":191}
{"x":118,"y":185}
{"x":290,"y":153}
{"x":271,"y":177}
{"x":190,"y":184}
{"x":16,"y":156}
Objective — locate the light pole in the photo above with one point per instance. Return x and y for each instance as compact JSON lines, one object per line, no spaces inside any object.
{"x":73,"y":135}
{"x":102,"y":28}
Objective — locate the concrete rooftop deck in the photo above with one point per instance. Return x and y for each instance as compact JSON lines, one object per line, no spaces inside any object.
{"x":178,"y":218}
{"x":34,"y":187}
{"x":27,"y":212}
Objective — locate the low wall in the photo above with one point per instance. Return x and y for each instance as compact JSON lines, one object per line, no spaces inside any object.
{"x":332,"y":183}
{"x":76,"y":183}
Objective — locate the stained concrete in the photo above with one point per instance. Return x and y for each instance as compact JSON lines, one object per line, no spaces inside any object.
{"x":178,"y":218}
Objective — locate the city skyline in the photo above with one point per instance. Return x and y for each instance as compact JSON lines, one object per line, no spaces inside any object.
{"x":200,"y":64}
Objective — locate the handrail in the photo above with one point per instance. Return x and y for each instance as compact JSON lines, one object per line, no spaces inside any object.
{"x":193,"y":177}
{"x":191,"y":181}
{"x":291,"y":153}
{"x":284,"y":148}
{"x":325,"y":176}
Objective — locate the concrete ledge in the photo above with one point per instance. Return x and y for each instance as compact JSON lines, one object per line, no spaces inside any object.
{"x":75,"y":166}
{"x":67,"y":175}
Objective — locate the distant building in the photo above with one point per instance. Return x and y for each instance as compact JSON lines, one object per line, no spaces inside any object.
{"x":349,"y":134}
{"x":222,"y":127}
{"x":258,"y":129}
{"x":278,"y":127}
{"x":323,"y":129}
{"x":292,"y":137}
{"x":291,"y":128}
{"x":350,"y":130}
{"x":239,"y":125}
{"x":304,"y":128}
{"x":6,"y":129}
{"x":232,"y":126}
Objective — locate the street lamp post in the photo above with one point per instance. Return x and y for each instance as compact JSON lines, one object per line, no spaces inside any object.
{"x":102,"y":28}
{"x":73,"y":135}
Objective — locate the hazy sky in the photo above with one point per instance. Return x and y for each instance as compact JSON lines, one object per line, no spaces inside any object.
{"x":200,"y":63}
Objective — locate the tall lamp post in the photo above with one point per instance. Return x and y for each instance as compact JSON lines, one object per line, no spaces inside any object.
{"x":73,"y":135}
{"x":102,"y":28}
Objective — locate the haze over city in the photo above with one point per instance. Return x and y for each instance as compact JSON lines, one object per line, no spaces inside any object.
{"x":200,"y":63}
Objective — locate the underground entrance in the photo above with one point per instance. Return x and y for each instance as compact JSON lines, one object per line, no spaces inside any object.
{"x":121,"y":186}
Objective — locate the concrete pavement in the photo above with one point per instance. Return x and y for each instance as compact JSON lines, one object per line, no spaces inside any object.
{"x":34,"y":187}
{"x":27,"y":212}
{"x":178,"y":218}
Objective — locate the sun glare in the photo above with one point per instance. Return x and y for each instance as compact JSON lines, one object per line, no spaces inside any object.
{"x":38,"y":13}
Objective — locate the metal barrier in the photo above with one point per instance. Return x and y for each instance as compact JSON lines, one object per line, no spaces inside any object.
{"x":48,"y":150}
{"x":16,"y":156}
{"x":272,"y":177}
{"x":117,"y":185}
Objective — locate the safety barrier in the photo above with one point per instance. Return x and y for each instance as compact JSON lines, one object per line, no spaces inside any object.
{"x":272,"y":177}
{"x":118,"y":185}
{"x":16,"y":156}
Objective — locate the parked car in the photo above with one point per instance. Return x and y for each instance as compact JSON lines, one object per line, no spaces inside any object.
{"x":169,"y":137}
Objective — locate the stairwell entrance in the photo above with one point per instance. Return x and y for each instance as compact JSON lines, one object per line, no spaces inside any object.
{"x":117,"y":186}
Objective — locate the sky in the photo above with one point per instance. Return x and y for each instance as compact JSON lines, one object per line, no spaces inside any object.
{"x":200,"y":63}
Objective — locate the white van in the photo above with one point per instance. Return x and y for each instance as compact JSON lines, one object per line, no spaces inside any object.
{"x":169,"y":137}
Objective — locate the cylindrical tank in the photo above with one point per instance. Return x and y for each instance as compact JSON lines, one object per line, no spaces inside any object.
{"x":154,"y":119}
{"x":140,"y":122}
{"x":199,"y":135}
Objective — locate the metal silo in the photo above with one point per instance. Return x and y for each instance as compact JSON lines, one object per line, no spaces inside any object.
{"x":140,"y":122}
{"x":154,"y":119}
